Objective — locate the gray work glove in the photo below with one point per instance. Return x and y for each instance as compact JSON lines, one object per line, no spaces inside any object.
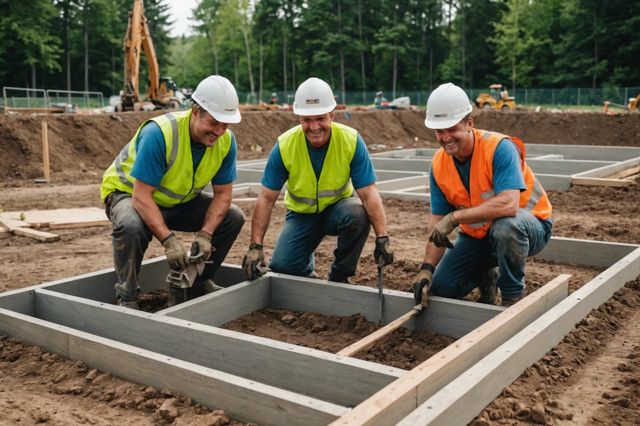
{"x":202,"y":245}
{"x":383,"y":253}
{"x":440,"y":234}
{"x":422,"y":284}
{"x":253,"y":264}
{"x":177,"y":256}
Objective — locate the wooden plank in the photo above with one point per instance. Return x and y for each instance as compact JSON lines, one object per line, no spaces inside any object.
{"x":60,"y":218}
{"x":372,"y":338}
{"x":307,"y":371}
{"x":593,"y":181}
{"x":38,"y":235}
{"x":449,"y":317}
{"x":585,"y":252}
{"x":398,"y":399}
{"x":625,"y":173}
{"x":6,"y":224}
{"x":466,"y":396}
{"x":241,"y":398}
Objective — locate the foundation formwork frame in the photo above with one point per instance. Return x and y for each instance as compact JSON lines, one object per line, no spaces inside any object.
{"x":269,"y":382}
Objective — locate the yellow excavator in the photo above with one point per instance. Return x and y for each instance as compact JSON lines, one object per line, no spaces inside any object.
{"x":632,"y":105}
{"x":160,"y":90}
{"x":498,"y":99}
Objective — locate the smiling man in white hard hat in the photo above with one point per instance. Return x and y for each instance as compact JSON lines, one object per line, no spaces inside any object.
{"x":155,"y":186}
{"x":322,"y":162}
{"x":479,"y":182}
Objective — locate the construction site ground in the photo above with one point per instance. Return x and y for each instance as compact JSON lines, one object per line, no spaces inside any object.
{"x":592,"y":377}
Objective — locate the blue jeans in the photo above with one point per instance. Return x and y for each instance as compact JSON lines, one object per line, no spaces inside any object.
{"x":302,"y":233}
{"x":508,"y":244}
{"x":131,"y":236}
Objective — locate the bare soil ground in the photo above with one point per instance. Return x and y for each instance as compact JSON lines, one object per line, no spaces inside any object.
{"x":592,"y":377}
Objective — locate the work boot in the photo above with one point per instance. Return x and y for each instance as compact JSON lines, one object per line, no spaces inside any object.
{"x":131,"y":304}
{"x":208,"y":286}
{"x":487,"y":286}
{"x":506,"y":301}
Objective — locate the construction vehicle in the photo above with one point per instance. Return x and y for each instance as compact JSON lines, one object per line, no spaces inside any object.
{"x":160,"y":90}
{"x":498,"y":99}
{"x":632,"y":105}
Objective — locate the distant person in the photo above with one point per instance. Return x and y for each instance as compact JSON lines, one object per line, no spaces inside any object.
{"x":479,"y":181}
{"x":274,"y":99}
{"x":155,"y":186}
{"x":322,"y":162}
{"x":380,"y":102}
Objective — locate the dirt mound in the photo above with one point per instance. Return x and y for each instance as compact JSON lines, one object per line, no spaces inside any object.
{"x":82,"y":146}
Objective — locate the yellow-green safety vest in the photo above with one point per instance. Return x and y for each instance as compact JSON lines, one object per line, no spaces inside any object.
{"x":307,"y":193}
{"x":179,"y":183}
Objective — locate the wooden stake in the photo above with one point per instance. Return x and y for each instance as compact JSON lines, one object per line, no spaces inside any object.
{"x":45,"y":152}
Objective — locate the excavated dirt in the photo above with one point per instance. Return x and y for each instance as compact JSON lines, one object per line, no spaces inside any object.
{"x":592,"y":377}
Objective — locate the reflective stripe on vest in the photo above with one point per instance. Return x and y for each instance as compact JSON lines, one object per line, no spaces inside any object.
{"x":180,"y":183}
{"x":307,"y":193}
{"x":533,"y":199}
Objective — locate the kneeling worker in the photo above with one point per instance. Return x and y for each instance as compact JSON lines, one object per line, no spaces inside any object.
{"x":479,"y":181}
{"x":155,"y":185}
{"x":322,"y":163}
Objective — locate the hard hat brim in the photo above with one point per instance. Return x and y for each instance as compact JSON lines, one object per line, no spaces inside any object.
{"x":313,"y":111}
{"x":442,"y":124}
{"x":231,"y":117}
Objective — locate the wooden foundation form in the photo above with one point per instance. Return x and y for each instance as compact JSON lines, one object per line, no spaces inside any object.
{"x":260,"y":380}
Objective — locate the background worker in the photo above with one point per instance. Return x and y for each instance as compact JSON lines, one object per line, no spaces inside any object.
{"x":155,"y":185}
{"x":322,"y":163}
{"x":479,"y":180}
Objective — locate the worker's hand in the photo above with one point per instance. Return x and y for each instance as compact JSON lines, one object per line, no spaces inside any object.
{"x":422,"y":284}
{"x":440,"y":234}
{"x":176,"y":254}
{"x":202,"y":245}
{"x":253,"y":264}
{"x":383,"y":253}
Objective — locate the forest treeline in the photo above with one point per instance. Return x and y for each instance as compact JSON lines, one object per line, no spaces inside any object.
{"x":356,"y":45}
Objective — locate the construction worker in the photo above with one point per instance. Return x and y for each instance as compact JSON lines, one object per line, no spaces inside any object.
{"x":322,"y":163}
{"x":155,"y":185}
{"x":479,"y":181}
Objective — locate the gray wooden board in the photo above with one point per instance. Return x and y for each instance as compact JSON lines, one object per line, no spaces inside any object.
{"x":565,"y":167}
{"x":606,"y":171}
{"x":384,"y":175}
{"x":466,"y":396}
{"x":219,"y":308}
{"x":18,"y":301}
{"x":408,"y":196}
{"x":329,"y":377}
{"x":444,"y":316}
{"x":556,"y":182}
{"x":584,"y":252}
{"x":586,"y":152}
{"x":241,"y":398}
{"x":245,"y":175}
{"x":401,"y":183}
{"x":404,"y":164}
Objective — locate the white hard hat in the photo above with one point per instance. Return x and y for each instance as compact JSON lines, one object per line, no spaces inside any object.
{"x":313,"y":97}
{"x":446,"y":106}
{"x":218,"y":97}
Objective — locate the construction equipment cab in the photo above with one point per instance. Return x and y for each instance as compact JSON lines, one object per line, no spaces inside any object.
{"x":498,"y":99}
{"x":160,"y":90}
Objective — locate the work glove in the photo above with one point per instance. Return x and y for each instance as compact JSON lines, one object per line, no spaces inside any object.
{"x":202,"y":245}
{"x":383,"y":253}
{"x":422,"y":284}
{"x":440,"y":234}
{"x":253,"y":264}
{"x":177,"y":256}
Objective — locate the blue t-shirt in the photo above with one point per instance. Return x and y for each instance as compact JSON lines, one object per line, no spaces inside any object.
{"x":151,"y":161}
{"x":506,"y":175}
{"x":362,"y":172}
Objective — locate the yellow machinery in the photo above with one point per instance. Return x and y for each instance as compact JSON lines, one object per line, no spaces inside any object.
{"x":498,"y":99}
{"x":632,"y":105}
{"x":160,"y":90}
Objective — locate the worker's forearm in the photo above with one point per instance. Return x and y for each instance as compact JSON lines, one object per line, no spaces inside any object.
{"x":377,"y":217}
{"x":260,"y":219}
{"x":216,"y":212}
{"x":150,"y":214}
{"x":433,"y":254}
{"x":494,"y":208}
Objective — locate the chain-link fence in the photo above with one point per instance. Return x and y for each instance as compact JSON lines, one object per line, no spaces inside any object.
{"x":533,"y":97}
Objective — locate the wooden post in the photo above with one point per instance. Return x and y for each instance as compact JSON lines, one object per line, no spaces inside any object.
{"x":45,"y":152}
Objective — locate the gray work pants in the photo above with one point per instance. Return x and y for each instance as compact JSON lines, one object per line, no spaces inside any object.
{"x":131,"y":236}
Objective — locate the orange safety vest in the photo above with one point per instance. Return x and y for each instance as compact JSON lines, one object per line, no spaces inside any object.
{"x":534,"y":198}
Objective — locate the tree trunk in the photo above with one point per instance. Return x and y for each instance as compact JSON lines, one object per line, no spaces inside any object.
{"x":85,"y":12}
{"x":261,"y":60}
{"x":362,"y":70}
{"x":342,"y":82}
{"x":284,"y":62}
{"x":248,"y":50}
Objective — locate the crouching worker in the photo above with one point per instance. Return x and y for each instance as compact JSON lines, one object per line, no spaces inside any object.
{"x":322,"y":163}
{"x":155,"y":186}
{"x":479,"y":182}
